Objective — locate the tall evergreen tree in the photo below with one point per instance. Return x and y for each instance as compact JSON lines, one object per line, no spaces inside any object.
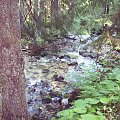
{"x":12,"y":90}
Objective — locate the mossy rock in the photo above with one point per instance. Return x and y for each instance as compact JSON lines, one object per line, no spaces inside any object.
{"x":116,"y":43}
{"x":105,"y":39}
{"x":73,"y":56}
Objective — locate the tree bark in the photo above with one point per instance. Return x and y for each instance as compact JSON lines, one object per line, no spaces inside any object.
{"x":71,"y":12}
{"x":22,"y":13}
{"x":42,"y":12}
{"x":36,"y":9}
{"x":54,"y":13}
{"x":13,"y":104}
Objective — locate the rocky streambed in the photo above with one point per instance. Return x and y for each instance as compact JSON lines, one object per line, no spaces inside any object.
{"x":45,"y":78}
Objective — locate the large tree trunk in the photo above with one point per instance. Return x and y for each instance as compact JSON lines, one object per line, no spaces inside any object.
{"x":12,"y":90}
{"x":42,"y":12}
{"x":42,"y":20}
{"x":71,"y":12}
{"x":36,"y":9}
{"x":54,"y":13}
{"x":35,"y":18}
{"x":22,"y":13}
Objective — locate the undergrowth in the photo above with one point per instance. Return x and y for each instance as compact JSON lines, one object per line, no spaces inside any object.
{"x":99,"y":96}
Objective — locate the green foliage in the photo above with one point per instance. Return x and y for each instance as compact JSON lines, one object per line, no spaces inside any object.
{"x":115,"y":75}
{"x":76,"y":16}
{"x":91,"y":14}
{"x":92,"y":117}
{"x":24,"y":42}
{"x":99,"y":94}
{"x":84,"y":24}
{"x":104,"y":100}
{"x":39,"y":41}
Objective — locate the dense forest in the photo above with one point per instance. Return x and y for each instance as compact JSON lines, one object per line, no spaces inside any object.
{"x":59,"y":59}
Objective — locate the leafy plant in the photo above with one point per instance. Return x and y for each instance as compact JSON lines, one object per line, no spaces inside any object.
{"x":97,"y":98}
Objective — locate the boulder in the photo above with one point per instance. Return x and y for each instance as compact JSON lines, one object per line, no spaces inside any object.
{"x":64,"y":56}
{"x":46,"y":100}
{"x":81,"y":52}
{"x":91,"y":55}
{"x":37,"y":57}
{"x":73,"y":63}
{"x":59,"y":78}
{"x":45,"y":71}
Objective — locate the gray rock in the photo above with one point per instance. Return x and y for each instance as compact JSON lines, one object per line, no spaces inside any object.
{"x":59,"y":78}
{"x":81,"y":52}
{"x":91,"y":55}
{"x":37,"y":57}
{"x":45,"y":71}
{"x":73,"y":63}
{"x":84,"y":41}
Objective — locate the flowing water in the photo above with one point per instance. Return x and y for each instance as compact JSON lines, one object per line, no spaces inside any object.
{"x":46,"y":76}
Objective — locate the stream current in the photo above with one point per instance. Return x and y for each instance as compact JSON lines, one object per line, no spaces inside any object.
{"x":45,"y":77}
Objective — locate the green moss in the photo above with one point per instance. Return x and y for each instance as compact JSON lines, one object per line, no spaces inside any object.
{"x":73,"y":56}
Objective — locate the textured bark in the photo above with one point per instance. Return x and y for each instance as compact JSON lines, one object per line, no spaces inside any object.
{"x":71,"y":12}
{"x":35,"y":16}
{"x":22,"y":13}
{"x":54,"y":13}
{"x":36,"y":9}
{"x":12,"y":91}
{"x":42,"y":12}
{"x":42,"y":17}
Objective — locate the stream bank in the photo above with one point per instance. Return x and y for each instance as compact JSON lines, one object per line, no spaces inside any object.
{"x":46,"y":77}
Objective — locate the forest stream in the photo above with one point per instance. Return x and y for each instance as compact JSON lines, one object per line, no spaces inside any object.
{"x":46,"y":79}
{"x":59,"y":60}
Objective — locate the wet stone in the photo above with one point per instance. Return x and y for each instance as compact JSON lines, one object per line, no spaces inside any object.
{"x":67,"y":57}
{"x":37,"y":57}
{"x":91,"y":55}
{"x":29,"y":101}
{"x":54,"y":94}
{"x":59,"y":78}
{"x":81,"y":52}
{"x":45,"y":83}
{"x":45,"y":71}
{"x":74,"y":63}
{"x":35,"y":73}
{"x":47,"y":77}
{"x":46,"y":100}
